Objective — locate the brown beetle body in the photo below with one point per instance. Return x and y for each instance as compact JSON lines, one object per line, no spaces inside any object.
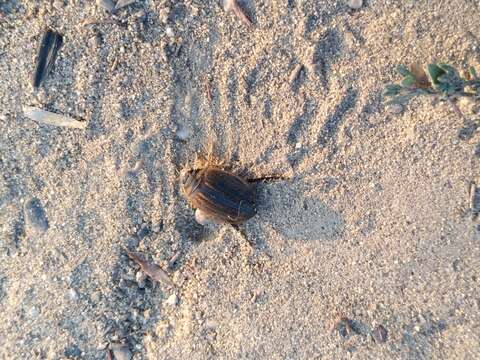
{"x":221,"y":196}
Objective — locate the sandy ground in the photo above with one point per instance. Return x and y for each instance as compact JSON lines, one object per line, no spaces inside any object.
{"x":375,"y":224}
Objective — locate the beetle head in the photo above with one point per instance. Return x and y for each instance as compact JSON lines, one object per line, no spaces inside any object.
{"x":190,"y":181}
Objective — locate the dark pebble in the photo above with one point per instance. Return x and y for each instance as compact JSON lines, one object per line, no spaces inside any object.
{"x":380,"y":334}
{"x":132,"y":242}
{"x":178,"y":13}
{"x":468,"y":131}
{"x":477,"y":151}
{"x":72,"y":352}
{"x":121,"y":352}
{"x":456,"y":265}
{"x":144,"y":231}
{"x":345,"y":327}
{"x":35,"y":215}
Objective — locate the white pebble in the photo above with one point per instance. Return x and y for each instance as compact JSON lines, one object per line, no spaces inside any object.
{"x":72,"y":294}
{"x":395,"y":108}
{"x":183,"y":133}
{"x":172,"y":300}
{"x":121,"y":352}
{"x":355,"y":4}
{"x":169,"y":32}
{"x":106,"y":4}
{"x":123,"y":3}
{"x":33,"y":312}
{"x":140,"y":276}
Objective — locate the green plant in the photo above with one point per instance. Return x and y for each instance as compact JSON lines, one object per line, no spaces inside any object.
{"x":443,"y":82}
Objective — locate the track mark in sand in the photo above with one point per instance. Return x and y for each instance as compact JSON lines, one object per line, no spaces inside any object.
{"x":327,"y":50}
{"x":328,"y":130}
{"x":330,"y":127}
{"x":301,"y":124}
{"x":474,"y":200}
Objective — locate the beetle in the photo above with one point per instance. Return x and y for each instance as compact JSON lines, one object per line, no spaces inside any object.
{"x":219,"y":196}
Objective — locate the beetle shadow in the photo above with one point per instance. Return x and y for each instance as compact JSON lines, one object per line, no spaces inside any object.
{"x":297,"y":216}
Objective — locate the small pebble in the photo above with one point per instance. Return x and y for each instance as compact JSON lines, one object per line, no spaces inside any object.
{"x":144,"y":231}
{"x":169,"y":32}
{"x":72,"y":294}
{"x":35,"y":215}
{"x":344,"y":327}
{"x":395,"y":108}
{"x":108,"y":5}
{"x":456,"y":265}
{"x":33,"y":312}
{"x":183,"y":134}
{"x":380,"y":334}
{"x":140,"y":277}
{"x":96,"y":296}
{"x":157,"y":227}
{"x":121,"y":352}
{"x":355,"y":4}
{"x":123,"y":3}
{"x":72,"y":352}
{"x":477,"y":151}
{"x":172,"y":300}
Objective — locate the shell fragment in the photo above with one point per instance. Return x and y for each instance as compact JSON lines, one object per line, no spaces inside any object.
{"x":49,"y":118}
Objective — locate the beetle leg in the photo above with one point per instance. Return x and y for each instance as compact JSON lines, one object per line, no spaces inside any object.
{"x":268,"y":179}
{"x":238,"y":211}
{"x":243,"y":234}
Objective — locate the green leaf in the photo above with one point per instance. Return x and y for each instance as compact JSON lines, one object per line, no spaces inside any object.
{"x":435,"y":71}
{"x":393,"y":87}
{"x":403,"y":70}
{"x":389,"y":93}
{"x":443,"y":79}
{"x":408,"y":81}
{"x":401,"y":99}
{"x":392,"y":90}
{"x":447,"y":68}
